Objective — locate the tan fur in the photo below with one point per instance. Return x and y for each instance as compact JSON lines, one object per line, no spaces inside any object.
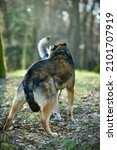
{"x":70,"y":95}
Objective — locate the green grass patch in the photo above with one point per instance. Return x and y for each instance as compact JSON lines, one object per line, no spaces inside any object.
{"x":17,"y":73}
{"x":86,"y":83}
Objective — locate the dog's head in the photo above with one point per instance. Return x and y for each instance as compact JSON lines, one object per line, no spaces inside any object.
{"x":56,"y":47}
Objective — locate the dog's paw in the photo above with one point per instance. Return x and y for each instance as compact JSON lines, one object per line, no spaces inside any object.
{"x":57,"y":118}
{"x":54,"y":134}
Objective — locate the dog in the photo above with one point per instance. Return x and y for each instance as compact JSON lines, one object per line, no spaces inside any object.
{"x":41,"y":84}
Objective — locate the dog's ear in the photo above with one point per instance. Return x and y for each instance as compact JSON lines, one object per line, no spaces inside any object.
{"x":64,"y":44}
{"x":54,"y":47}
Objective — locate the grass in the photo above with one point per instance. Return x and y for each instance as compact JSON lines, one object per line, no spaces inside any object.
{"x":27,"y":132}
{"x":17,"y":73}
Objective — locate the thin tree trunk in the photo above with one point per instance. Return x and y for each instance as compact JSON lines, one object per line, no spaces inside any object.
{"x":24,"y":53}
{"x":85,"y":35}
{"x":2,"y":58}
{"x":91,"y":57}
{"x":75,"y":37}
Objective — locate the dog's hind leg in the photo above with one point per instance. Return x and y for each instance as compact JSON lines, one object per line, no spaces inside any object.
{"x":46,"y":113}
{"x":70,"y":95}
{"x":17,"y":104}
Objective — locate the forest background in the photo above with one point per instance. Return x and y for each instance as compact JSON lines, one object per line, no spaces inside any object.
{"x":25,"y":22}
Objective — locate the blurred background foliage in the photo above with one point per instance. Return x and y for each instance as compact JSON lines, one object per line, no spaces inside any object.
{"x":25,"y":22}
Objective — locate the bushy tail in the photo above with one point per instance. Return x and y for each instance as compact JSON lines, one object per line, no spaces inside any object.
{"x":42,"y":50}
{"x":30,"y":97}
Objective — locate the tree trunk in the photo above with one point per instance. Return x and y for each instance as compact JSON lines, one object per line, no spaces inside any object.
{"x":75,"y":37}
{"x":2,"y":58}
{"x":90,"y":44}
{"x":24,"y":53}
{"x":88,"y":38}
{"x":85,"y":35}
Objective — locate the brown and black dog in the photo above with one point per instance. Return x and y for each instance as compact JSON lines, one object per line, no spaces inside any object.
{"x":41,"y":84}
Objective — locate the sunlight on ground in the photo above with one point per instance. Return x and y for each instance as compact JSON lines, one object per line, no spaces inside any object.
{"x":16,"y":73}
{"x":84,"y":73}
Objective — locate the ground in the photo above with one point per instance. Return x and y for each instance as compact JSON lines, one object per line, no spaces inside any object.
{"x":27,"y":133}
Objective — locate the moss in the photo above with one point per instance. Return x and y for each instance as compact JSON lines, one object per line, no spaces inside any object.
{"x":2,"y":58}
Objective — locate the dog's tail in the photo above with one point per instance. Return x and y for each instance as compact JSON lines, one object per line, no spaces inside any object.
{"x":43,"y":52}
{"x":30,"y":97}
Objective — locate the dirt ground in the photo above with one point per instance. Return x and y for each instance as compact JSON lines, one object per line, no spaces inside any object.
{"x":27,"y":133}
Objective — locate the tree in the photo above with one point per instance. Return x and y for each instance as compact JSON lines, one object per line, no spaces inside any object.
{"x":2,"y":58}
{"x":75,"y":37}
{"x":75,"y":22}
